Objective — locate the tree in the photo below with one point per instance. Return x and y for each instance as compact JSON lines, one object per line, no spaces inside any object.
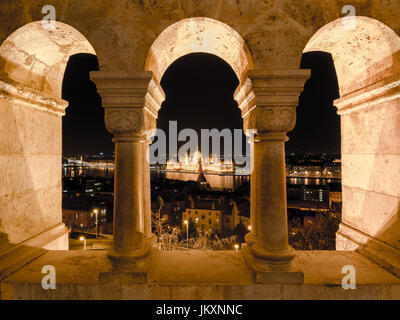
{"x":240,"y":231}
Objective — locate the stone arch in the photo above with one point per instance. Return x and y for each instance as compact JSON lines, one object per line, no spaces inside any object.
{"x":199,"y":34}
{"x":35,"y":57}
{"x":367,"y":62}
{"x":363,"y":55}
{"x":267,"y":99}
{"x":32,"y":66}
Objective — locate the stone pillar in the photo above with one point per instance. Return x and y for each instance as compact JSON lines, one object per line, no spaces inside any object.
{"x":131,"y":109}
{"x":370,"y":130}
{"x":147,"y":213}
{"x":268,"y":102}
{"x":251,"y":237}
{"x":128,"y":195}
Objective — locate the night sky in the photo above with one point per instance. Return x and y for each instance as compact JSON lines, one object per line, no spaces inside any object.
{"x":199,"y":94}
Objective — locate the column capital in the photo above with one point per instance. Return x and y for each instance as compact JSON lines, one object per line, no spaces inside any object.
{"x":137,"y":89}
{"x":268,"y":98}
{"x":129,"y":121}
{"x":131,"y":101}
{"x":270,"y":119}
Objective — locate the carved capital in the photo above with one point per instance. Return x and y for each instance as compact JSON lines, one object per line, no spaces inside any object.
{"x":138,"y":89}
{"x":270,"y":119}
{"x":129,"y":121}
{"x":271,"y":88}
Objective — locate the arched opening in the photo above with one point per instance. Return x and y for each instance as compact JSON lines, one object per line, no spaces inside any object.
{"x":199,"y":34}
{"x":366,"y":58}
{"x":199,"y":90}
{"x":363,"y":54}
{"x":32,"y":64}
{"x":312,"y":154}
{"x":204,"y":95}
{"x":87,"y":202}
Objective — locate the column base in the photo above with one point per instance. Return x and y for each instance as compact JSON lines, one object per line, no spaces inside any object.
{"x":151,"y":239}
{"x":129,"y":271}
{"x":250,"y":238}
{"x":133,"y":260}
{"x":263,"y":273}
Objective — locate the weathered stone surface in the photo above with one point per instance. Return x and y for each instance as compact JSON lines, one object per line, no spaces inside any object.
{"x":372,"y":130}
{"x":127,"y":37}
{"x":373,"y":213}
{"x":77,"y":278}
{"x":134,"y":25}
{"x":365,"y":171}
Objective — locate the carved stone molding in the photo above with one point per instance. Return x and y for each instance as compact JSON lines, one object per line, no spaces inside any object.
{"x":374,"y":95}
{"x":270,"y":119}
{"x":271,"y":88}
{"x":32,"y":98}
{"x":129,"y":121}
{"x":138,"y":89}
{"x":123,"y":120}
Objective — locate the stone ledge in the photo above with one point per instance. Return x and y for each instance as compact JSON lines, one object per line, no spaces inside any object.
{"x":292,"y":276}
{"x":23,"y":253}
{"x":379,"y":252}
{"x":201,"y":275}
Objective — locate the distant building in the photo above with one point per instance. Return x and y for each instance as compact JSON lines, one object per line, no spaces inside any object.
{"x":80,"y":212}
{"x":216,"y":214}
{"x":206,"y":214}
{"x":335,"y":198}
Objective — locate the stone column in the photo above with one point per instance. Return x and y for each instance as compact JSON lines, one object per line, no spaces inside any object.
{"x":251,"y":237}
{"x":269,"y":108}
{"x":128,"y":192}
{"x":149,"y":236}
{"x":131,"y":109}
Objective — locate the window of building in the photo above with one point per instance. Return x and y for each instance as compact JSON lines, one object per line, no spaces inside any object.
{"x":209,"y":221}
{"x":203,"y":216}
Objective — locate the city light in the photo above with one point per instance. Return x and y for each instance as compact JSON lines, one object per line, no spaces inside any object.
{"x":249,"y":228}
{"x":236,"y":247}
{"x":84,"y":242}
{"x":96,"y":222}
{"x":191,"y":164}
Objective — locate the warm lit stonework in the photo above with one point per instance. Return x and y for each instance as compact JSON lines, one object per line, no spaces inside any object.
{"x":263,"y":43}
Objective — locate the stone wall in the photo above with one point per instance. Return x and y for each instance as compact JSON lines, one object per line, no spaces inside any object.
{"x":122,"y":31}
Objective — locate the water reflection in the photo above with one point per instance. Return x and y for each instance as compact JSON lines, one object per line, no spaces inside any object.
{"x":216,"y":181}
{"x":88,"y":172}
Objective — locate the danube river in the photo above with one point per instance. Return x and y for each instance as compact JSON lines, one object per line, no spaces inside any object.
{"x":217,"y":181}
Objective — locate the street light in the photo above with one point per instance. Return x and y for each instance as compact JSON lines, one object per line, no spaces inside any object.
{"x":187,"y":232}
{"x":96,"y":212}
{"x":249,"y":228}
{"x":84,"y":242}
{"x":236,"y":247}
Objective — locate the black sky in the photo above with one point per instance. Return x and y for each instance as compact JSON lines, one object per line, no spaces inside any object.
{"x":199,"y":94}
